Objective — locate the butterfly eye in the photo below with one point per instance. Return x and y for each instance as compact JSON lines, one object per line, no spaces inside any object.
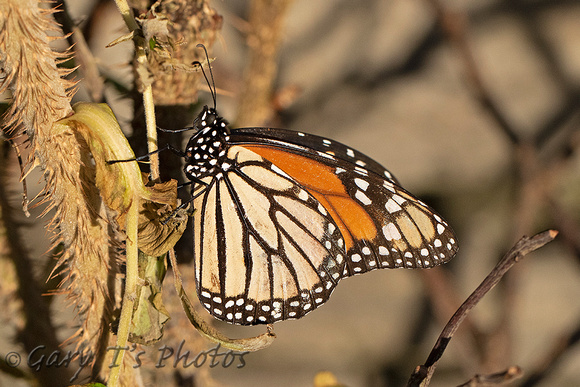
{"x":211,"y":117}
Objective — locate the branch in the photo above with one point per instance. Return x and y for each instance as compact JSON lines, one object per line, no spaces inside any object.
{"x":144,"y":82}
{"x":423,"y":373}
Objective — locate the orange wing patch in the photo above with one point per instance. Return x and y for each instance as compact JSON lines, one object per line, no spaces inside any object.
{"x":322,"y":183}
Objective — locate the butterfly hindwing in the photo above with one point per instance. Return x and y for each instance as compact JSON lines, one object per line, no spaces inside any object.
{"x":265,"y":248}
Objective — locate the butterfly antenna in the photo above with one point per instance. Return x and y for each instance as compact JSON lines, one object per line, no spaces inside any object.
{"x":211,"y":84}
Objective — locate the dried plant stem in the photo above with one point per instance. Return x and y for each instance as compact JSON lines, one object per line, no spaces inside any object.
{"x":130,"y":292}
{"x":422,"y":374}
{"x":128,"y":17}
{"x":145,"y":85}
{"x":151,"y":131}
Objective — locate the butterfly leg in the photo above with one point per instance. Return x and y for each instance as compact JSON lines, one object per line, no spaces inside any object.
{"x":170,"y":147}
{"x":186,"y":203}
{"x":175,"y":130}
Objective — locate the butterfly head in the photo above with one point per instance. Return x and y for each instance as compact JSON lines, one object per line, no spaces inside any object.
{"x":209,"y":119}
{"x":207,"y":148}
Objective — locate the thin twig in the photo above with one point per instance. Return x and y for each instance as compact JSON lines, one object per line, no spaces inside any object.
{"x":249,"y":344}
{"x":151,"y":131}
{"x":422,"y":374}
{"x":129,"y":295}
{"x":132,"y":270}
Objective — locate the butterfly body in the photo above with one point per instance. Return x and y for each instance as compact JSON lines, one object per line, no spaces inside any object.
{"x":281,"y":217}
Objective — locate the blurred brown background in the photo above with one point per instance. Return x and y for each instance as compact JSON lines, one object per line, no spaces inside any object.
{"x":475,"y":107}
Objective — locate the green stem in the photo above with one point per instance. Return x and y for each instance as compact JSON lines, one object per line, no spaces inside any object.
{"x":130,"y":293}
{"x":131,"y":226}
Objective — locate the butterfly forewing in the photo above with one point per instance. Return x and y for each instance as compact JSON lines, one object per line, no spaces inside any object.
{"x":314,"y":145}
{"x":383,"y":225}
{"x":406,"y":233}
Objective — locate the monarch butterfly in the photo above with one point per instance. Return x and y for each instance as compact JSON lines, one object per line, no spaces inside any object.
{"x":280,"y":217}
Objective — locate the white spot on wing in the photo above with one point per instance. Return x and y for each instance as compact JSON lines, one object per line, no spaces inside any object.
{"x":392,"y":207}
{"x":362,"y":184}
{"x":364,"y":199}
{"x":361,"y":171}
{"x":331,"y":228}
{"x":399,"y":199}
{"x":391,"y":232}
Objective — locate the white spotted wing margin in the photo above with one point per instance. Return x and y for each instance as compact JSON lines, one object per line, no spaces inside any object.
{"x":409,"y":234}
{"x":265,"y":250}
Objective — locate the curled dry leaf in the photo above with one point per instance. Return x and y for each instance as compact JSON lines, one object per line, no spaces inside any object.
{"x":121,"y":184}
{"x":160,"y":226}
